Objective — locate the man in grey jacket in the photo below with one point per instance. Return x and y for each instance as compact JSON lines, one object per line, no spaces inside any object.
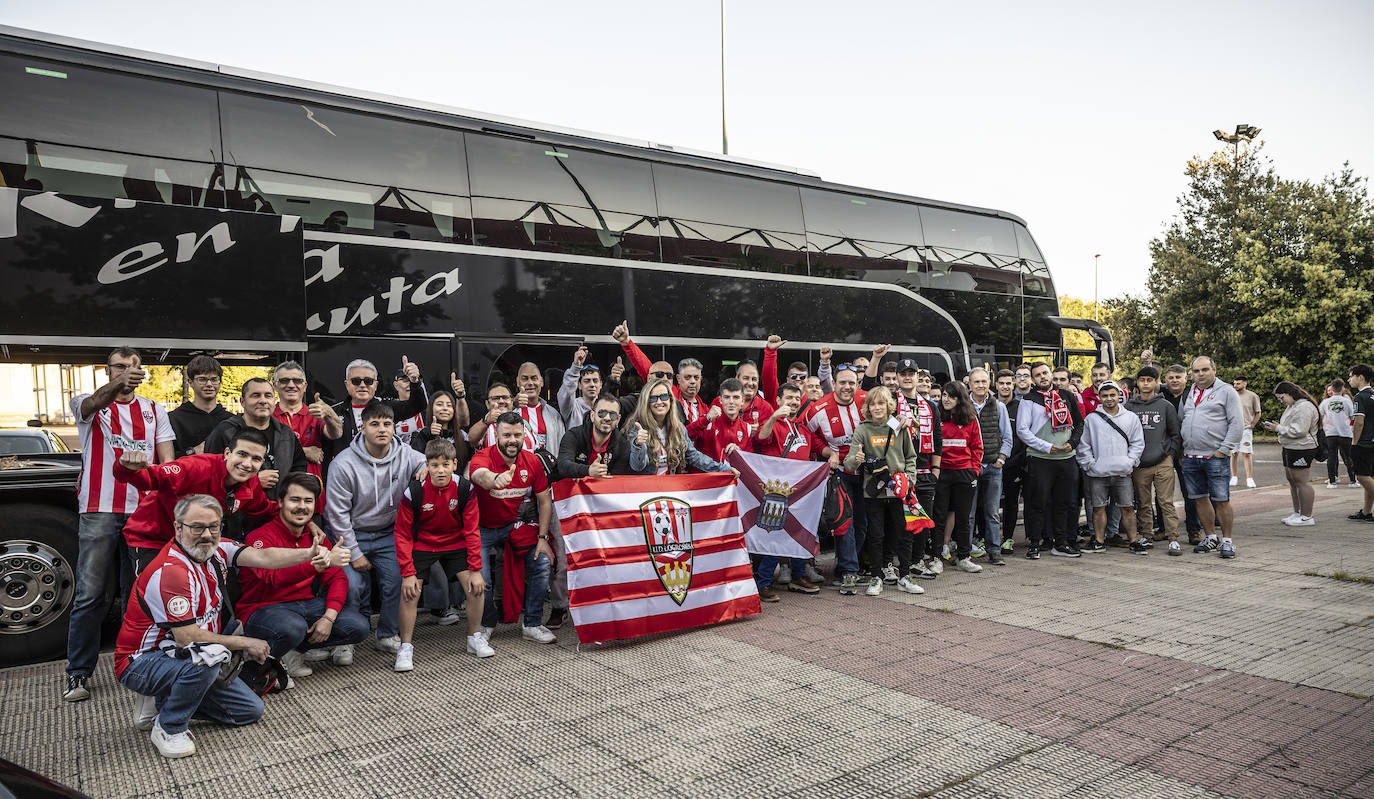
{"x":1108,"y":452}
{"x":1154,"y":475}
{"x":1211,"y":424}
{"x":366,"y":483}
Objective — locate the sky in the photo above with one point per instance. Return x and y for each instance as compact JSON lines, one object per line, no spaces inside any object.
{"x":1079,"y":117}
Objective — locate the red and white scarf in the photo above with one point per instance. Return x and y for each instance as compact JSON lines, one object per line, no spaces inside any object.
{"x":925,"y":422}
{"x":1057,"y":409}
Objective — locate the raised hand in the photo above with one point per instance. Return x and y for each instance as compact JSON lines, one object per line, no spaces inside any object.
{"x":411,"y":370}
{"x":456,"y":383}
{"x":826,"y":352}
{"x":641,"y":435}
{"x":436,"y":428}
{"x":580,"y":357}
{"x":131,"y":379}
{"x":621,"y":332}
{"x":319,"y":408}
{"x":775,"y":342}
{"x":522,"y":400}
{"x":881,"y":350}
{"x":618,"y":369}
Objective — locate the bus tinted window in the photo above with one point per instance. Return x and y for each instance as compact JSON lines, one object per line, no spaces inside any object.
{"x":100,"y":173}
{"x":713,"y":219}
{"x":529,"y":195}
{"x":1025,"y":245}
{"x":970,"y":232}
{"x":852,"y":236}
{"x":49,"y":101}
{"x":325,"y":142}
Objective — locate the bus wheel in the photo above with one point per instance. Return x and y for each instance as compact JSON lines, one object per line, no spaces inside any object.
{"x":37,"y":582}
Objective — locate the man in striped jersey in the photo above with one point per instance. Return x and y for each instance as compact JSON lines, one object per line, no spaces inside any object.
{"x":110,"y":421}
{"x":834,"y":419}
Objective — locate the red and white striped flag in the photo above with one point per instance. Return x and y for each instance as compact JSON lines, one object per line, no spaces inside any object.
{"x":653,"y":554}
{"x":780,"y":503}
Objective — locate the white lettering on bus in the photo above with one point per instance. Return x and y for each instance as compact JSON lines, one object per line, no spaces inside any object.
{"x":139,"y":260}
{"x":329,"y":264}
{"x":435,"y":286}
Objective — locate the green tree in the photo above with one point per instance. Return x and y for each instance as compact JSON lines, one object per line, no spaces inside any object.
{"x":164,"y":384}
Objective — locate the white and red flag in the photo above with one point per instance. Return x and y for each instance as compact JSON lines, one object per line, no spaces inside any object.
{"x":780,"y":503}
{"x":653,"y":554}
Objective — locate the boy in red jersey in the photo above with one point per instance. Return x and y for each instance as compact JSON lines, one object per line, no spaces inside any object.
{"x":724,"y":429}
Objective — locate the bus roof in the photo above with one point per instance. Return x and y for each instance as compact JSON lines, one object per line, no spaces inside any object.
{"x":251,"y":80}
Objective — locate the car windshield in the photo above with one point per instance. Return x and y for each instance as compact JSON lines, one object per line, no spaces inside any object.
{"x":23,"y":442}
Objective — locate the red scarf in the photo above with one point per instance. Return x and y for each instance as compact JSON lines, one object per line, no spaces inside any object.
{"x":1057,"y":409}
{"x":523,"y":537}
{"x":925,"y":421}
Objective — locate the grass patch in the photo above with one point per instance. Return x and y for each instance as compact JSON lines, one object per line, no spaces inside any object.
{"x":943,"y":610}
{"x":1354,"y":695}
{"x":1344,"y":577}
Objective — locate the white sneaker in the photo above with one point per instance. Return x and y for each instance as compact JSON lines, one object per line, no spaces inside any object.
{"x":317,"y":655}
{"x":405,"y":658}
{"x":1331,"y":484}
{"x":935,"y":565}
{"x":875,"y":586}
{"x":539,"y":634}
{"x":1292,"y":517}
{"x":477,"y":645}
{"x":813,"y":575}
{"x":390,"y":644}
{"x":1234,"y":480}
{"x":784,"y":574}
{"x":967,"y":565}
{"x":145,"y":712}
{"x":342,"y":655}
{"x":889,"y":575}
{"x":944,"y":553}
{"x":486,"y":632}
{"x":449,"y":617}
{"x":1249,"y":482}
{"x":294,"y":663}
{"x":1302,"y":521}
{"x":178,"y":745}
{"x":909,"y":586}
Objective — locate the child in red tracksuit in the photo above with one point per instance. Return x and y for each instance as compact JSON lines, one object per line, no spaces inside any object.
{"x":437,"y":523}
{"x":960,"y":459}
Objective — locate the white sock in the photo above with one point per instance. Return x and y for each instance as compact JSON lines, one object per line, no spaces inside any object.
{"x":1213,"y":537}
{"x":1226,"y":541}
{"x":404,"y":647}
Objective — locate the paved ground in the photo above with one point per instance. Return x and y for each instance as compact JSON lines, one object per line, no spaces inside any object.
{"x":1114,"y":675}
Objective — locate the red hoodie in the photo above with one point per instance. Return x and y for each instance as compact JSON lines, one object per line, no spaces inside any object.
{"x":711,"y":436}
{"x":442,"y":526}
{"x":963,"y":446}
{"x":263,"y":587}
{"x":151,"y":526}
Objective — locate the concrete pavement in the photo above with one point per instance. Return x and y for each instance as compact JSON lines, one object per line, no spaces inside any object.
{"x":1112,"y":675}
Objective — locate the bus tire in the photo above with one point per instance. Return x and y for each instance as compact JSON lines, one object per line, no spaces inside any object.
{"x":37,"y":581}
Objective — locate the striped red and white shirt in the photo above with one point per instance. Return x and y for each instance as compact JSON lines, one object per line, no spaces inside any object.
{"x":173,"y":591}
{"x":835,"y":422}
{"x":139,"y":425}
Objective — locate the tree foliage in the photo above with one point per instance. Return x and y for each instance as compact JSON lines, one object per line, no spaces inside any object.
{"x":164,"y":384}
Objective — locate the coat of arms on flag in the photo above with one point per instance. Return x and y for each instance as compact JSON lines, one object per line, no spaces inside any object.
{"x":668,"y":533}
{"x":773,"y":508}
{"x":780,"y":503}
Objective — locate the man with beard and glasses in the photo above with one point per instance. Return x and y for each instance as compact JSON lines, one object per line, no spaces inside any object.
{"x":174,"y":638}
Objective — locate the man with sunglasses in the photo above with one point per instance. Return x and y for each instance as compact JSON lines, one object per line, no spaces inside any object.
{"x":687,"y":387}
{"x":360,"y":382}
{"x":284,"y":452}
{"x":313,"y":424}
{"x":193,"y":419}
{"x":596,"y":448}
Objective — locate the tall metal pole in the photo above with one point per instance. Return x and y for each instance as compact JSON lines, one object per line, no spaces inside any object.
{"x":1095,"y":284}
{"x":724,"y":140}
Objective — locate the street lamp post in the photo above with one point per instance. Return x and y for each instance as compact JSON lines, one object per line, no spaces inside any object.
{"x":1244,"y":133}
{"x":1095,"y":285}
{"x":724,"y":142}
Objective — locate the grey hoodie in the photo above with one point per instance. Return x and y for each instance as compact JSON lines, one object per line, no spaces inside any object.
{"x":1102,"y":451}
{"x":1210,"y":420}
{"x":1159,"y":420}
{"x":364,"y":492}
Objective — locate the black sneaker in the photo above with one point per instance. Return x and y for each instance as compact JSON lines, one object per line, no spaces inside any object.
{"x":1118,"y":541}
{"x":1140,"y":547}
{"x":1094,"y":546}
{"x":995,"y":557}
{"x":556,"y":618}
{"x":76,"y":689}
{"x":1032,"y":552}
{"x":1361,"y":516}
{"x":1066,"y":551}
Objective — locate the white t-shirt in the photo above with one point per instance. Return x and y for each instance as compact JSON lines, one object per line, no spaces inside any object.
{"x":1338,"y":415}
{"x":139,"y":425}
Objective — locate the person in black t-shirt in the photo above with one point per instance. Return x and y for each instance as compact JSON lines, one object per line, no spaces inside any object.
{"x":1362,"y":437}
{"x":193,"y":420}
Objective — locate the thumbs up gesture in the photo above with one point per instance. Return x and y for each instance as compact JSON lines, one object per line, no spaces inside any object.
{"x":456,"y":383}
{"x":641,"y":435}
{"x":504,"y":479}
{"x":618,"y":369}
{"x":411,"y":370}
{"x":319,"y":408}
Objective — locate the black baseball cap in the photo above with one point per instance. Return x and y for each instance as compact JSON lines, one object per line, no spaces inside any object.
{"x":907,"y":365}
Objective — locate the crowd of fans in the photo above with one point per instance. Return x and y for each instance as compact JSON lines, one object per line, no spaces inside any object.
{"x":248,"y":547}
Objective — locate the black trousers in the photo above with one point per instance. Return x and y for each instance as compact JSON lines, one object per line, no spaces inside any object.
{"x":1051,"y":492}
{"x":886,"y":533}
{"x":1338,"y":445}
{"x":932,"y":540}
{"x":954,"y":494}
{"x":1013,"y":479}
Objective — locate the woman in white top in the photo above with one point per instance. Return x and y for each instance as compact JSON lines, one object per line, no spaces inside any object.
{"x":1297,"y":430}
{"x":658,"y":413}
{"x":1338,"y":416}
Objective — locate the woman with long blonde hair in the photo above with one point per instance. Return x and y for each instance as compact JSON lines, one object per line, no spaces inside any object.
{"x":669,"y":446}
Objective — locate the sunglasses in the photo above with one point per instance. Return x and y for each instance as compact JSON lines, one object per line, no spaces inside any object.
{"x":587,"y":369}
{"x":662,"y":375}
{"x":847,"y":367}
{"x":362,"y":381}
{"x":660,"y":398}
{"x":290,"y":381}
{"x":607,"y":414}
{"x":797,"y":376}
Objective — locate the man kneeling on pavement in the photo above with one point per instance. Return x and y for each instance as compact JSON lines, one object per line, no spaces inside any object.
{"x":172,"y":645}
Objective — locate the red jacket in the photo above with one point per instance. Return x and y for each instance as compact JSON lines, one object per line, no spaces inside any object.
{"x":150,"y":526}
{"x":263,"y":587}
{"x":963,"y":446}
{"x":712,"y":436}
{"x":442,"y":525}
{"x":805,"y":446}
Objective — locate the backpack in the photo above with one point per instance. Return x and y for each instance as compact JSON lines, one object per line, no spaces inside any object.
{"x":417,"y":495}
{"x":837,"y":512}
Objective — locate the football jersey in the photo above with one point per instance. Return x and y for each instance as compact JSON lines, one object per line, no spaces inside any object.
{"x":501,"y":506}
{"x":138,"y":425}
{"x":835,"y":423}
{"x":172,"y":591}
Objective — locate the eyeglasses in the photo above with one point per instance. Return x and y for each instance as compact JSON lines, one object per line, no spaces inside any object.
{"x":660,"y":398}
{"x":499,"y":397}
{"x":287,"y":381}
{"x":797,"y":376}
{"x":202,"y":380}
{"x":662,"y":375}
{"x":362,"y":381}
{"x":607,"y":414}
{"x":200,"y":529}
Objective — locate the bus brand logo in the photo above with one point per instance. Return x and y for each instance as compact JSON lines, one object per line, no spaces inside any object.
{"x":326,"y":266}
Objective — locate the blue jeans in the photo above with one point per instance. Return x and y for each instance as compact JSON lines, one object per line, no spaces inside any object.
{"x":847,"y":546}
{"x":184,"y":690}
{"x":987,"y":500}
{"x":768,"y":563}
{"x":537,"y":568}
{"x":1207,"y":477}
{"x":98,"y":573}
{"x":285,"y":626}
{"x":379,"y":546}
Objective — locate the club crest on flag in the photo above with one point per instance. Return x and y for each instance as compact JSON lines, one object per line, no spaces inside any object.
{"x":668,"y":534}
{"x":773,"y":507}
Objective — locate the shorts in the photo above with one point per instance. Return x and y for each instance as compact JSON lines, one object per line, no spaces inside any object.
{"x":453,"y":561}
{"x":1299,"y":458}
{"x":1102,"y":491}
{"x":1207,"y":477}
{"x":1247,"y":441}
{"x":1362,"y":460}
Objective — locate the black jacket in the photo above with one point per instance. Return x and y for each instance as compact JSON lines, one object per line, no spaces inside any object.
{"x":576,"y":448}
{"x":285,"y":453}
{"x":192,"y":425}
